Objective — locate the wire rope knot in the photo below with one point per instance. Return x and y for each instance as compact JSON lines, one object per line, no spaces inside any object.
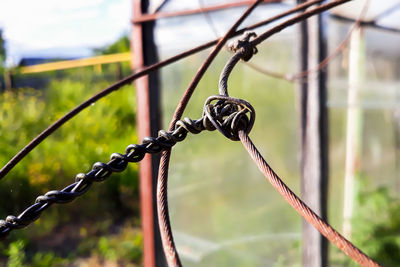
{"x":229,"y":115}
{"x":243,"y":46}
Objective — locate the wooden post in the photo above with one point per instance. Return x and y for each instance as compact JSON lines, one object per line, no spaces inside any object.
{"x":314,"y":137}
{"x":354,"y":127}
{"x":149,"y":122}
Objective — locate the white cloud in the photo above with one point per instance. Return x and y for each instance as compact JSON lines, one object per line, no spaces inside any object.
{"x":44,"y":24}
{"x":79,"y":4}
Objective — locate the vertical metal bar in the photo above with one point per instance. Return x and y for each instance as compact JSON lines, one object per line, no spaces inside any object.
{"x":314,"y":137}
{"x":354,"y":126}
{"x":148,"y":121}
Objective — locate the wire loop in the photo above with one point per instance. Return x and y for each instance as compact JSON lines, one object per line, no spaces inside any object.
{"x":229,"y":115}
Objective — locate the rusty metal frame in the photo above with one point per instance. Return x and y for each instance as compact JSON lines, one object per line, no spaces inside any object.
{"x":158,"y":15}
{"x":148,"y":122}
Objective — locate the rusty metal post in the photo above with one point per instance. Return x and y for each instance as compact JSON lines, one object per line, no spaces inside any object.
{"x":314,"y":137}
{"x":148,"y":121}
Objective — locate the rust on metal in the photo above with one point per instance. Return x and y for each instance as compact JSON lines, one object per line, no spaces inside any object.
{"x":159,"y":15}
{"x":144,"y":129}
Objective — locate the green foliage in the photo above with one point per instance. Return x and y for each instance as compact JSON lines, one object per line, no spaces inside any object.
{"x":16,"y":254}
{"x":44,"y":259}
{"x":126,"y":246}
{"x":105,"y":127}
{"x":122,"y":45}
{"x":2,"y":50}
{"x":102,"y":129}
{"x":65,"y":233}
{"x":377,"y":226}
{"x":106,"y":250}
{"x":120,"y":69}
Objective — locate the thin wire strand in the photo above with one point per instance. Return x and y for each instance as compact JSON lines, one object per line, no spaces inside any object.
{"x":294,"y":20}
{"x":301,"y":75}
{"x":129,"y":79}
{"x":371,"y":24}
{"x":208,"y":19}
{"x":277,"y":75}
{"x":199,"y":74}
{"x":387,"y":12}
{"x":187,"y":12}
{"x":282,"y":76}
{"x":338,"y":49}
{"x":160,"y":6}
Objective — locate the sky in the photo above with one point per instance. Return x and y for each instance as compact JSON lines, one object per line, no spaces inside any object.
{"x":68,"y":28}
{"x":72,"y":28}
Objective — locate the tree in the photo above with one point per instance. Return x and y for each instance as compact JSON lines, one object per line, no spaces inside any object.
{"x":122,"y":45}
{"x":6,"y":80}
{"x":2,"y":50}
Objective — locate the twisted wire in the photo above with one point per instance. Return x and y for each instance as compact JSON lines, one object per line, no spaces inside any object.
{"x":324,"y":228}
{"x":227,"y":114}
{"x":243,"y":50}
{"x":296,"y":19}
{"x":129,"y":79}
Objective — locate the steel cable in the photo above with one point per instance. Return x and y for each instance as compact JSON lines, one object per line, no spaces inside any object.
{"x":324,"y":228}
{"x":244,"y":50}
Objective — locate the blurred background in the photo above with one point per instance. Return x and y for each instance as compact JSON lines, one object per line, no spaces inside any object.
{"x":54,"y":55}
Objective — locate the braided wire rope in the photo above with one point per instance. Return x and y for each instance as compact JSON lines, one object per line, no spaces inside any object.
{"x":127,"y":80}
{"x":219,"y":112}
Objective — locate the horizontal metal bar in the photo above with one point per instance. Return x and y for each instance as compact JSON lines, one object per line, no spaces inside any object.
{"x":75,"y":63}
{"x":159,"y":15}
